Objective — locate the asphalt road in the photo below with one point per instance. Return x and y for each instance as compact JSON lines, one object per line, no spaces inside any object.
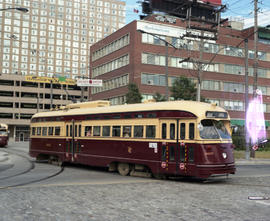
{"x":46,"y":192}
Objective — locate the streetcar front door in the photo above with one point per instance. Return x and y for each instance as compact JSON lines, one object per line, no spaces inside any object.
{"x":168,"y":153}
{"x":186,"y":147}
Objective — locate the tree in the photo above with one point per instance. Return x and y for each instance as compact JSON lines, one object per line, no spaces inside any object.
{"x":183,"y":89}
{"x":158,"y":97}
{"x":133,"y":95}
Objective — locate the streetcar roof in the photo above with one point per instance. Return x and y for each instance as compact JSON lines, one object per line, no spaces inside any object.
{"x":3,"y":126}
{"x":197,"y":108}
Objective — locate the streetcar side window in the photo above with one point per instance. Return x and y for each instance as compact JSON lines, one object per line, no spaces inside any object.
{"x":80,"y":130}
{"x":172,"y":131}
{"x":191,"y":131}
{"x":70,"y":130}
{"x":96,"y":131}
{"x":150,"y":131}
{"x":44,"y":131}
{"x":33,"y":131}
{"x":67,"y":130}
{"x":39,"y":131}
{"x":50,"y":131}
{"x":57,"y":131}
{"x":126,"y":131}
{"x":116,"y":131}
{"x":106,"y":131}
{"x":88,"y":131}
{"x":76,"y":130}
{"x":182,"y":131}
{"x":164,"y":131}
{"x":138,"y":131}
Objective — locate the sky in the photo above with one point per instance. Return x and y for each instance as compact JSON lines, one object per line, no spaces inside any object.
{"x":236,"y":9}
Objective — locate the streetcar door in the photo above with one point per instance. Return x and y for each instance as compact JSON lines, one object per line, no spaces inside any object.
{"x":186,"y":146}
{"x":168,"y":153}
{"x":69,"y":150}
{"x":77,"y":132}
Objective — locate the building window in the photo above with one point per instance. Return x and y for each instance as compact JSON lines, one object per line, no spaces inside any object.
{"x":234,"y":105}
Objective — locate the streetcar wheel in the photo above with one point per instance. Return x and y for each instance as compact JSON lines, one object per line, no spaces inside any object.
{"x":123,"y":169}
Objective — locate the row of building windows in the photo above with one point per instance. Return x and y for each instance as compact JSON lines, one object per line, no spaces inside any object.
{"x":115,"y":45}
{"x":112,"y":84}
{"x":117,"y":100}
{"x":156,"y":59}
{"x":208,"y":47}
{"x":73,"y":3}
{"x":70,"y":7}
{"x":24,"y":116}
{"x":40,"y":85}
{"x":110,"y":66}
{"x":160,"y":80}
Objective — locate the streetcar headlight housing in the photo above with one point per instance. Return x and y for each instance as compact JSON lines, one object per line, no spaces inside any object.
{"x":224,"y":155}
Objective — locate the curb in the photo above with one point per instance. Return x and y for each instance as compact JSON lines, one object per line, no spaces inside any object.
{"x":252,"y":162}
{"x":3,"y":156}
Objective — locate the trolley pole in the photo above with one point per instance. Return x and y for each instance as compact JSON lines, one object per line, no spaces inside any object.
{"x":200,"y":68}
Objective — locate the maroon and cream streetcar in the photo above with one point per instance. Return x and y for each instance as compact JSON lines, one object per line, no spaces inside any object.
{"x":3,"y":135}
{"x":176,"y":138}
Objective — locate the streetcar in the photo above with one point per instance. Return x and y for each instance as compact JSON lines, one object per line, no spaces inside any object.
{"x":160,"y":139}
{"x":3,"y":135}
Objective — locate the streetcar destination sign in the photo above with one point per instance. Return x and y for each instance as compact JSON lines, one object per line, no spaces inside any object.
{"x":89,"y":83}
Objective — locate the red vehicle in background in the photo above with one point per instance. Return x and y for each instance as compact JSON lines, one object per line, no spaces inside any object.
{"x":3,"y":135}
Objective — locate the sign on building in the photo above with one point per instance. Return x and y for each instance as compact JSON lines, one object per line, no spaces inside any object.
{"x":89,"y":83}
{"x":54,"y":80}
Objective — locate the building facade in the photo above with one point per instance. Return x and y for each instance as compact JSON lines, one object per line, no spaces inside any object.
{"x":51,"y":40}
{"x":137,"y":53}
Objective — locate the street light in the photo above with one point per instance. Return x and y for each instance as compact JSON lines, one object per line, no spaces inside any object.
{"x":166,"y":62}
{"x":24,"y":10}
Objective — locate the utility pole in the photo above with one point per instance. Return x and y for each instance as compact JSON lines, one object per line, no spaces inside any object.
{"x":255,"y":72}
{"x":200,"y":66}
{"x":246,"y":99}
{"x":255,"y":65}
{"x":167,"y":73}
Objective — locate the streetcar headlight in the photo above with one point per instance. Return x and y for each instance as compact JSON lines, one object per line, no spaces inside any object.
{"x":224,"y":155}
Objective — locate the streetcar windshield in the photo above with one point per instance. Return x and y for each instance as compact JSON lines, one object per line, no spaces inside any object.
{"x":3,"y":133}
{"x":212,"y":129}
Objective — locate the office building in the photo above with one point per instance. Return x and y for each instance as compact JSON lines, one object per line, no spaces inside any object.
{"x":137,"y":53}
{"x":51,"y":40}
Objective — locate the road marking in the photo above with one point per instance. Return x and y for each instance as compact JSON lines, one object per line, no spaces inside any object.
{"x":263,"y":202}
{"x":85,"y":183}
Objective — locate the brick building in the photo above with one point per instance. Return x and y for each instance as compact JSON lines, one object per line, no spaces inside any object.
{"x":134,"y":54}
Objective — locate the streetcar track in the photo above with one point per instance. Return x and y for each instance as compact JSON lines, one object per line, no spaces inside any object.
{"x":32,"y":163}
{"x":32,"y":166}
{"x":33,"y":181}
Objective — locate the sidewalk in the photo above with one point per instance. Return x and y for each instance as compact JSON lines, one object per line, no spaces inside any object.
{"x":252,"y":161}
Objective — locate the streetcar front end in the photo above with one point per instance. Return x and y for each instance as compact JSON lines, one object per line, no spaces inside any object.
{"x":215,"y":156}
